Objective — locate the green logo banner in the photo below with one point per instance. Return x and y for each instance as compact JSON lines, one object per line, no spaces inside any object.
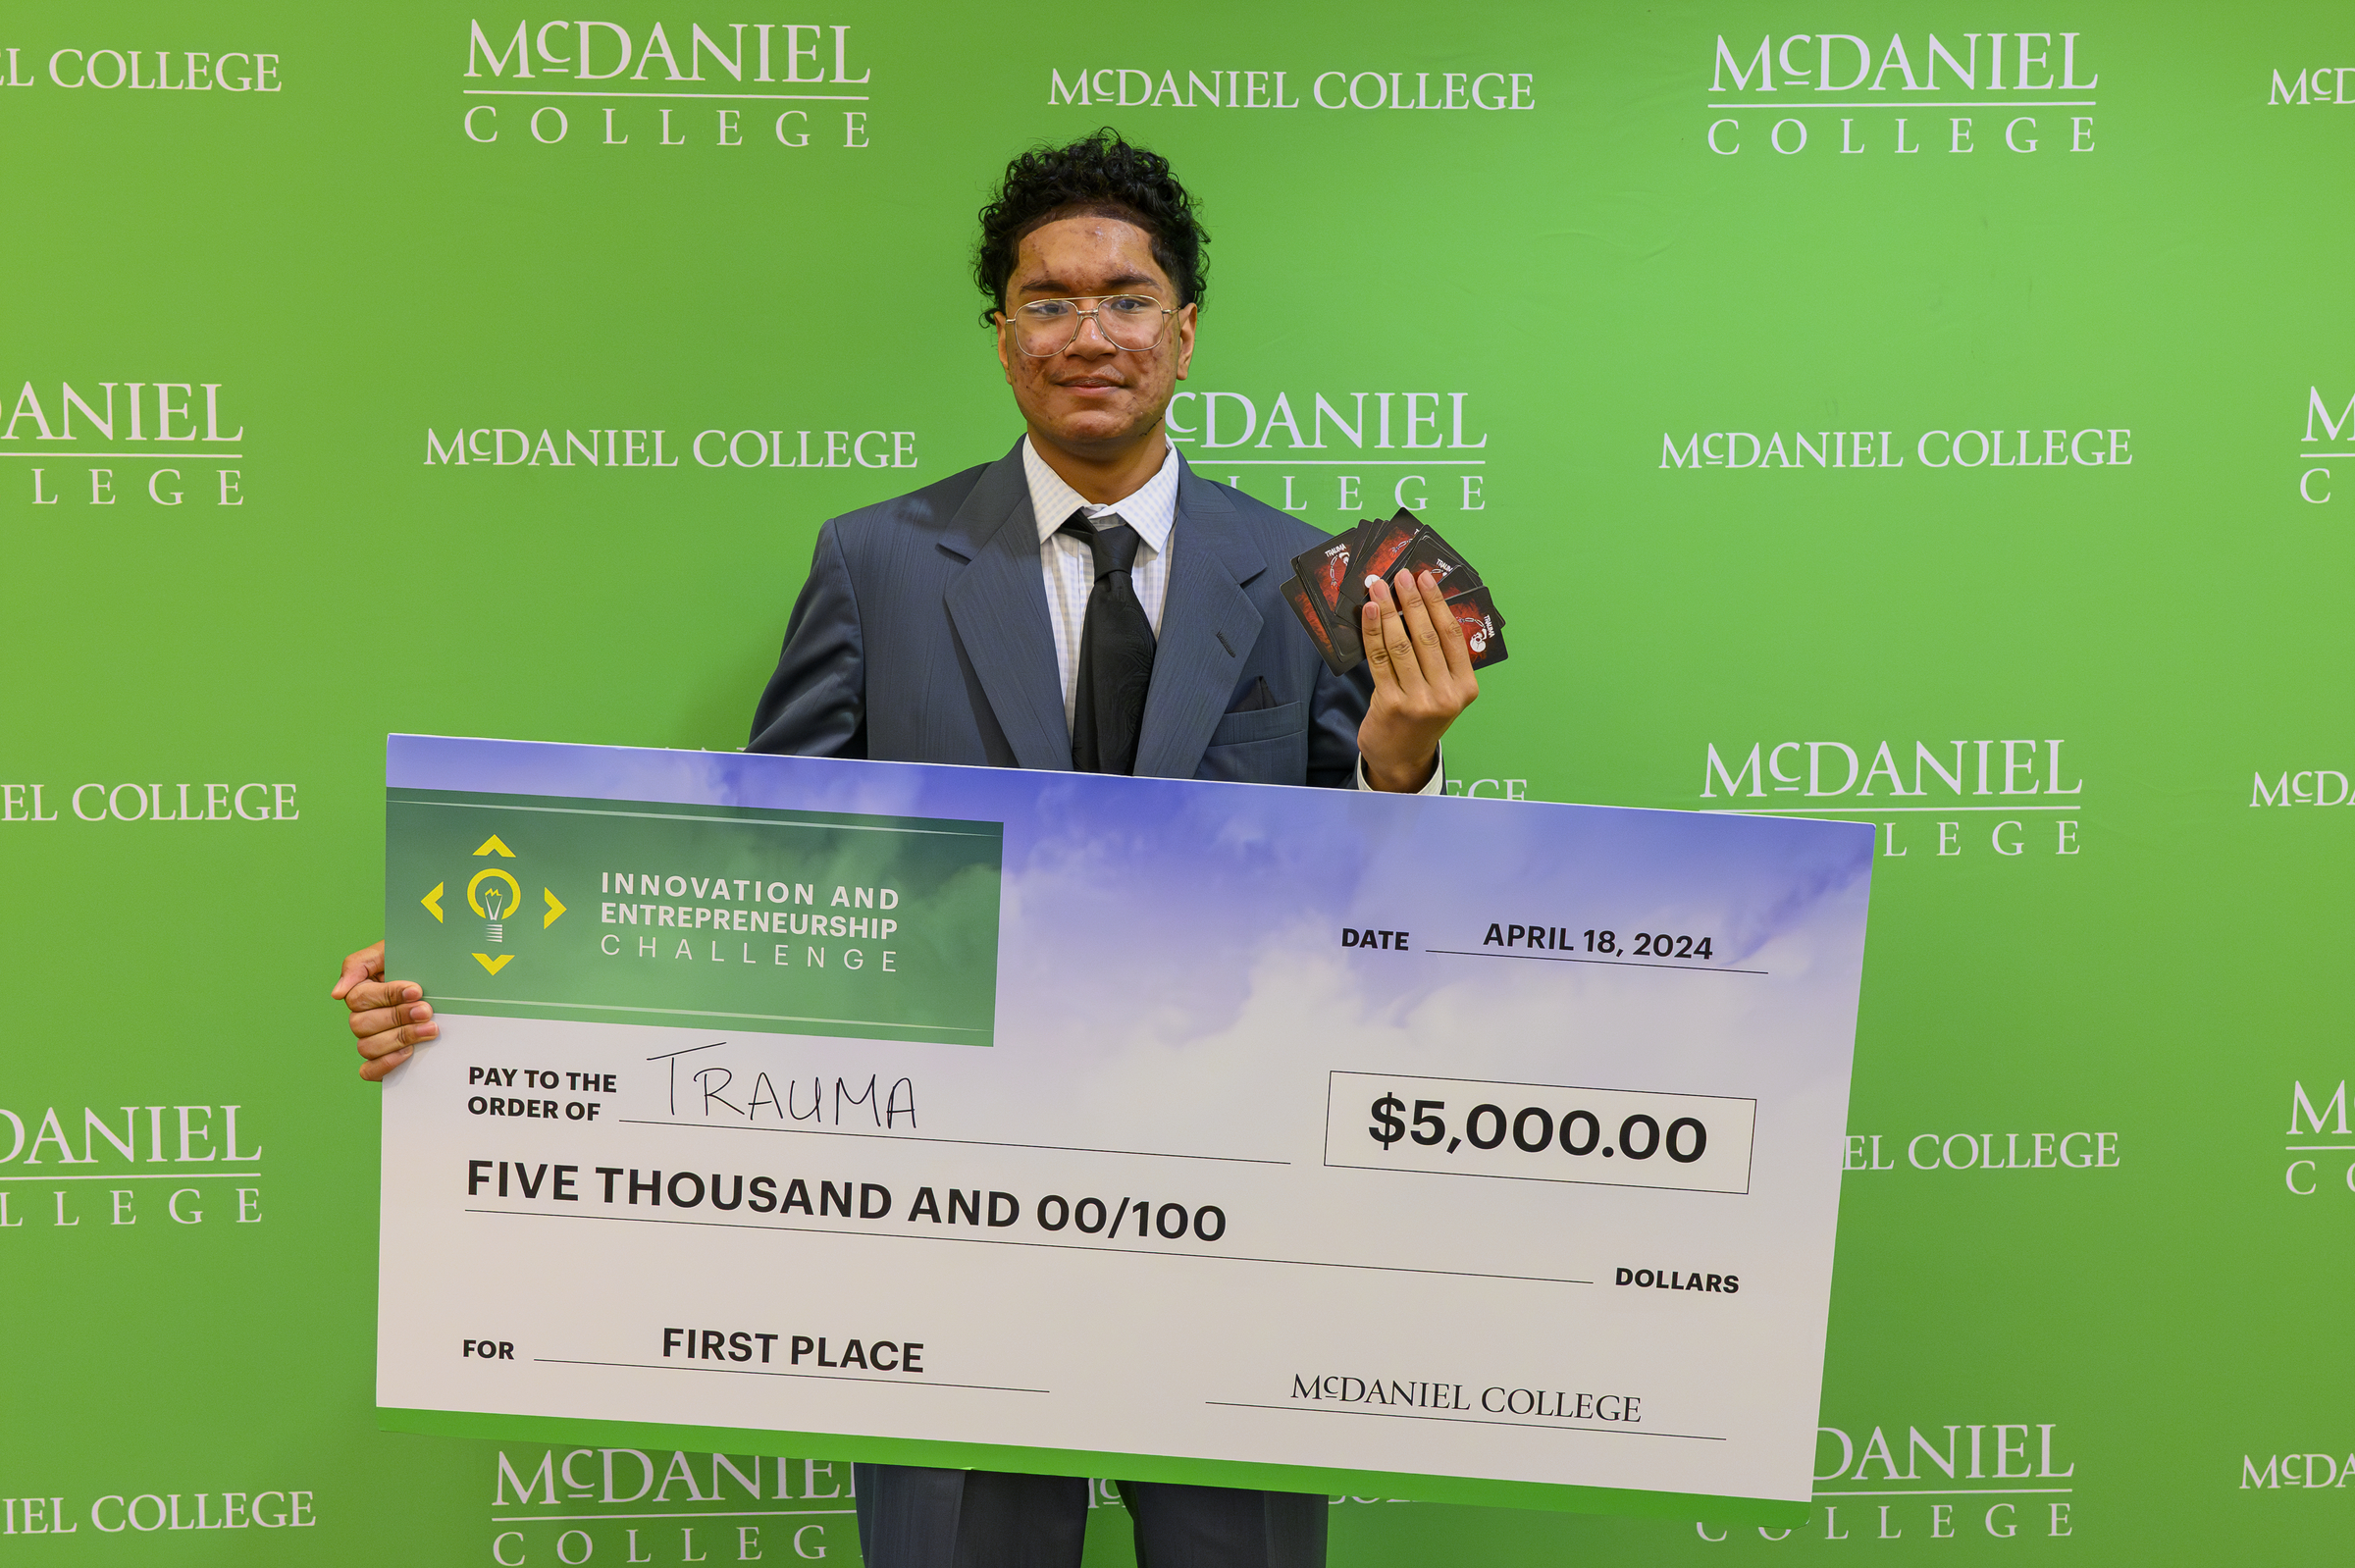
{"x":628,"y":912}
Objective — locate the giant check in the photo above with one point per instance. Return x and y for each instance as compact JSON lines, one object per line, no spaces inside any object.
{"x":1134,"y":1128}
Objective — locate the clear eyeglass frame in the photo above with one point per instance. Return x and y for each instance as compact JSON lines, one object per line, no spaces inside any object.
{"x":1031,"y":325}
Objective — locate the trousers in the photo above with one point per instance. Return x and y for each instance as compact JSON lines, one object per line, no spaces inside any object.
{"x":911,"y":1516}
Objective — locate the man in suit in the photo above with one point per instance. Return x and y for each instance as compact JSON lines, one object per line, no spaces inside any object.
{"x":1084,"y":602}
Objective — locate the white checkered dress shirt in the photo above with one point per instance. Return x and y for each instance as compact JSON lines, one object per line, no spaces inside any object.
{"x":1070,"y":566}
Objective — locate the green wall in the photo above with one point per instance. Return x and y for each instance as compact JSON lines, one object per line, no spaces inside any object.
{"x":309,"y":285}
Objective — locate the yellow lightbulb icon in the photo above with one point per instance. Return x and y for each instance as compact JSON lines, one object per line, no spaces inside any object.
{"x":495,"y":900}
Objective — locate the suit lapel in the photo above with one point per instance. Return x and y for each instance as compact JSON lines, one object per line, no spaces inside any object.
{"x":999,"y":606}
{"x":1208,"y":624}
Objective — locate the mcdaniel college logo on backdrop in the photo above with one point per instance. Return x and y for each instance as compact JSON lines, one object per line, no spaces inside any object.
{"x":2005,"y":1480}
{"x":1354,"y":453}
{"x":2328,"y":440}
{"x":2008,"y":798}
{"x":661,"y":448}
{"x":790,"y":86}
{"x":1941,"y":95}
{"x":138,"y":800}
{"x":105,"y":71}
{"x":2025,"y":446}
{"x":168,"y":1166}
{"x":2322,"y":1145}
{"x":146,"y":442}
{"x":1291,"y":88}
{"x":648,"y":1508}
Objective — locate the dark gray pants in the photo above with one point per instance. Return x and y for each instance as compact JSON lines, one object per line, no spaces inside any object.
{"x":914,"y":1517}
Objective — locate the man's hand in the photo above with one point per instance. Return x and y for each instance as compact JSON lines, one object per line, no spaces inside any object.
{"x":1422,"y":680}
{"x":391,"y":1017}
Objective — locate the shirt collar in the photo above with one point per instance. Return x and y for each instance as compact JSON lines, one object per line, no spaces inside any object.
{"x":1151,"y":508}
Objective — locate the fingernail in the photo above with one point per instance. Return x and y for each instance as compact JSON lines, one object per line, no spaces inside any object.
{"x":426,"y":1031}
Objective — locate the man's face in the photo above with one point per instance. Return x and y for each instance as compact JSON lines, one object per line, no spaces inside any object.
{"x":1093,"y":397}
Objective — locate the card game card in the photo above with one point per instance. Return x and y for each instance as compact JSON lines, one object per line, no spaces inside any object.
{"x":1298,"y":598}
{"x":1324,"y":569}
{"x":1328,"y":593}
{"x":1325,"y":572}
{"x":1380,"y":545}
{"x":1428,"y":553}
{"x":1484,"y":629}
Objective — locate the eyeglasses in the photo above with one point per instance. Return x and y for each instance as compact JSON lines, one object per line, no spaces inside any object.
{"x":1044,"y":328}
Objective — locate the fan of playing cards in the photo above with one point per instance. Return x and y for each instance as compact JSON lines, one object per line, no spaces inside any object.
{"x":1328,"y":589}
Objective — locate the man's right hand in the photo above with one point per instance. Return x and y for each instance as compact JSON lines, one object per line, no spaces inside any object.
{"x":391,"y":1017}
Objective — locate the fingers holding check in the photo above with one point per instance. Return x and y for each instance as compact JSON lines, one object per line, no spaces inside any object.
{"x":389,"y":1018}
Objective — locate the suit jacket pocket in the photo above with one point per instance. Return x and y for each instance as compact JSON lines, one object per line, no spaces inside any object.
{"x":1260,"y":724}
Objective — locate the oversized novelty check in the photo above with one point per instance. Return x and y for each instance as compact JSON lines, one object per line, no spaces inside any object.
{"x":1129,"y":1127}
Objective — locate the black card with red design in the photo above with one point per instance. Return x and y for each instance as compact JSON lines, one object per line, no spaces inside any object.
{"x":1328,"y":590}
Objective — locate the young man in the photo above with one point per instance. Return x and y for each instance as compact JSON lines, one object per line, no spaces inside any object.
{"x":1086,"y":602}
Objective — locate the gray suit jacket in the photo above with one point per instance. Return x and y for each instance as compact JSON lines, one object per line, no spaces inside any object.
{"x":921,"y":636}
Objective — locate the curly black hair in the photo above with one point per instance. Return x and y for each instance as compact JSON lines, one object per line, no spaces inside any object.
{"x":1100,"y":174}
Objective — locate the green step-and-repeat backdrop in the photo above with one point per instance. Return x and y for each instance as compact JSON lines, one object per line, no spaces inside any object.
{"x":1945,"y":420}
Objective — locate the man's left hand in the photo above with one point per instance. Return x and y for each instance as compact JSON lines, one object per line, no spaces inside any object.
{"x":1422,"y":680}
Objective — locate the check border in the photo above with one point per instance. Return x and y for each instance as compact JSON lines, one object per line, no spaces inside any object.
{"x":1534,"y":1494}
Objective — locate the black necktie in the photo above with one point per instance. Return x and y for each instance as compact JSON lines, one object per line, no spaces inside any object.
{"x":1116,"y":653}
